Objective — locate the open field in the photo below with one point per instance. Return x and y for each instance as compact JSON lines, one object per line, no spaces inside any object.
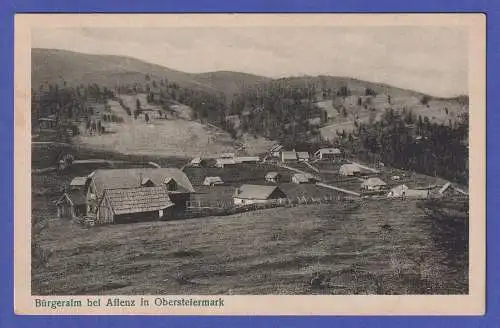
{"x":318,"y":249}
{"x":166,"y":137}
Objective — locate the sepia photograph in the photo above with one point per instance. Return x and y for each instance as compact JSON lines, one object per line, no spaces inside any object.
{"x":252,"y":159}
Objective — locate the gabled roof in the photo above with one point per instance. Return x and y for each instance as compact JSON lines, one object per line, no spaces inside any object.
{"x":196,"y":160}
{"x":349,"y":168}
{"x":399,"y":188}
{"x":226,"y":155}
{"x":272,"y":174}
{"x":131,"y":178}
{"x":300,"y":177}
{"x":416,"y":193}
{"x":289,"y":154}
{"x":77,"y":197}
{"x":302,"y":154}
{"x":334,"y":151}
{"x":247,"y":191}
{"x":449,"y":185}
{"x":213,"y":179}
{"x":137,"y":200}
{"x":445,"y":187}
{"x":78,"y":182}
{"x":373,"y":182}
{"x":225,"y":161}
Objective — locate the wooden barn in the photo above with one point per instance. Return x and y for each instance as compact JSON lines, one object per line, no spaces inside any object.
{"x":328,"y":153}
{"x":71,"y":204}
{"x":134,"y":204}
{"x":303,"y":156}
{"x":212,"y":181}
{"x":288,"y":156}
{"x":450,"y":190}
{"x":257,"y":194}
{"x":373,"y":184}
{"x":273,"y":177}
{"x":349,"y":170}
{"x":222,"y":162}
{"x":134,"y":186}
{"x":301,"y":178}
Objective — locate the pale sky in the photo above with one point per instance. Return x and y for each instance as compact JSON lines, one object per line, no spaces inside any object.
{"x":427,"y":59}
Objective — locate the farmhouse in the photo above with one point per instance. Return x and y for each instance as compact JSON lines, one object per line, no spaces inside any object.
{"x":134,"y":204}
{"x":349,"y":170}
{"x":302,"y":156}
{"x":71,"y":204}
{"x":449,"y":190}
{"x":118,"y":188}
{"x":152,"y":114}
{"x":257,"y":194}
{"x":273,"y":177}
{"x":328,"y":153}
{"x":398,"y":191}
{"x":417,"y":193}
{"x":300,"y":178}
{"x":288,"y":156}
{"x":212,"y":181}
{"x":196,"y":162}
{"x":221,"y":162}
{"x":373,"y":184}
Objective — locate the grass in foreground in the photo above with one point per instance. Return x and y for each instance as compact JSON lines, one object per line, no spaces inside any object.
{"x":314,"y":249}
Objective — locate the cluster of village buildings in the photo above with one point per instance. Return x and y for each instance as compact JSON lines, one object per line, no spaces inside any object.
{"x":126,"y":195}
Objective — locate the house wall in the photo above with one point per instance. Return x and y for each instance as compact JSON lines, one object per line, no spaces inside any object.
{"x":104,"y":213}
{"x":295,"y":180}
{"x":65,"y":211}
{"x":180,"y":201}
{"x":138,"y":217}
{"x":373,"y":188}
{"x":92,"y":201}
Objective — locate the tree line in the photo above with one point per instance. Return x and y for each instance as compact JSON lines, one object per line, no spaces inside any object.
{"x":404,"y":141}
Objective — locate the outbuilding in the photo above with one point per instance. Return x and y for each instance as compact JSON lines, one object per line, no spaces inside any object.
{"x":134,"y":204}
{"x":300,"y":178}
{"x":288,"y":156}
{"x":257,"y":194}
{"x":195,"y":162}
{"x":398,"y":191}
{"x":222,"y":162}
{"x":328,"y":153}
{"x":302,"y":156}
{"x":273,"y":177}
{"x":212,"y":181}
{"x":71,"y":204}
{"x":373,"y":184}
{"x":449,"y":190}
{"x":349,"y":170}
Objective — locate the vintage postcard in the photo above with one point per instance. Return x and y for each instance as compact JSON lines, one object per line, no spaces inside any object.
{"x":236,"y":164}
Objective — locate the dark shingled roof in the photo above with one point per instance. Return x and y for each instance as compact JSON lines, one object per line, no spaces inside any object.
{"x":132,"y":178}
{"x":137,"y":200}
